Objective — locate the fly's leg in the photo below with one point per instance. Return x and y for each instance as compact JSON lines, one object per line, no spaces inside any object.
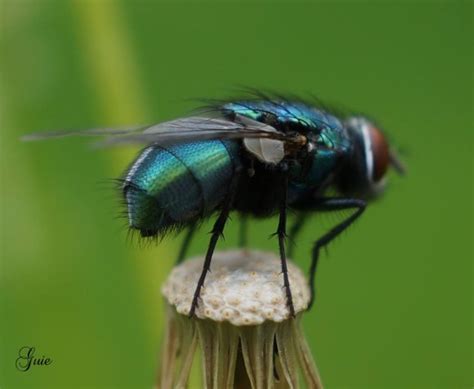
{"x":243,"y":228}
{"x":281,"y":233}
{"x":332,"y":204}
{"x":184,"y":246}
{"x":294,"y":231}
{"x":216,"y":232}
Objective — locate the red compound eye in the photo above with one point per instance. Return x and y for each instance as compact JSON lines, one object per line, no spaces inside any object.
{"x":380,"y":153}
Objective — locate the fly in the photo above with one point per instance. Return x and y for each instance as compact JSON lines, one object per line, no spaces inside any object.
{"x":256,"y":157}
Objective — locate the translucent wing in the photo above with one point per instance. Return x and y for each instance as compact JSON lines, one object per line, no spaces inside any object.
{"x":260,"y":139}
{"x":89,"y":132}
{"x":199,"y":128}
{"x":179,"y":130}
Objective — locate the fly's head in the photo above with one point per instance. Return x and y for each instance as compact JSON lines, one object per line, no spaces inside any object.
{"x":365,"y":171}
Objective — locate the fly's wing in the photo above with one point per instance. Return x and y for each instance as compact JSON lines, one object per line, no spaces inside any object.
{"x":197,"y":128}
{"x":262,"y":140}
{"x":179,"y":130}
{"x":89,"y":132}
{"x":259,"y":139}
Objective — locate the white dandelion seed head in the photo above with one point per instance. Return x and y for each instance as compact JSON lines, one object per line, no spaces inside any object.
{"x":244,"y":287}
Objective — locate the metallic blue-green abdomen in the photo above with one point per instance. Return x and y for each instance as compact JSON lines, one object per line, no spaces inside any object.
{"x":167,"y":187}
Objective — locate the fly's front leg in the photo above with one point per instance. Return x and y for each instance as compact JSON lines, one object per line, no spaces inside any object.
{"x":332,"y":204}
{"x":216,"y":232}
{"x":281,"y":233}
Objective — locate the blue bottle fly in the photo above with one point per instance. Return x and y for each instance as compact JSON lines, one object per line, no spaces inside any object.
{"x":256,"y":157}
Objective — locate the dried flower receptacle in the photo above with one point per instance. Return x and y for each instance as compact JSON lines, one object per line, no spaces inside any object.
{"x":242,"y":325}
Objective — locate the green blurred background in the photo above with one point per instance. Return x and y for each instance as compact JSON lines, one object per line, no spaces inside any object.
{"x":395,"y":295}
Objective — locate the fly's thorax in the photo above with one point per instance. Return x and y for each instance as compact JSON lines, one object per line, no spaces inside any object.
{"x":284,"y":115}
{"x":312,"y":171}
{"x":316,"y":167}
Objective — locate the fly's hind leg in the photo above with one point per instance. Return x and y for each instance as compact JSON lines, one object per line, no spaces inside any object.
{"x":243,"y":228}
{"x":216,"y":232}
{"x":186,"y":242}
